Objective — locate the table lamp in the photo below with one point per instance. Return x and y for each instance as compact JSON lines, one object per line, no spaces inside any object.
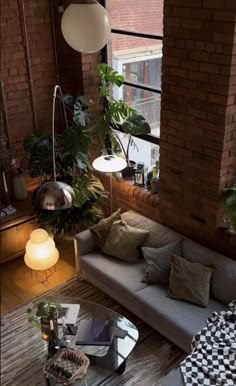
{"x":109,"y":163}
{"x":41,"y":253}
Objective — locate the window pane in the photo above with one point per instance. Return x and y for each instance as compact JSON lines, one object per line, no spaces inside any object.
{"x":144,"y":71}
{"x":145,"y":102}
{"x":138,"y":16}
{"x":138,"y":59}
{"x":141,"y":151}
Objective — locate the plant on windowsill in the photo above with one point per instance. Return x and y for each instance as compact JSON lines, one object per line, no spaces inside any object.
{"x":73,"y":167}
{"x":153,"y":182}
{"x":230,"y":207}
{"x":118,"y":115}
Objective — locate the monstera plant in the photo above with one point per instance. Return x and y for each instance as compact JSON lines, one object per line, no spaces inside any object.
{"x":230,"y":206}
{"x":72,"y":166}
{"x":117,"y":114}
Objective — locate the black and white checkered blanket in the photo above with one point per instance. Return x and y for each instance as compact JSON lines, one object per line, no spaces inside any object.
{"x":213,"y":357}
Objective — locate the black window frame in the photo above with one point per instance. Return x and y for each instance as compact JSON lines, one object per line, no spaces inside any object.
{"x":146,"y":137}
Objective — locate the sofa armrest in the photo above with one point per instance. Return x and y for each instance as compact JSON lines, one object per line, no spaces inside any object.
{"x":84,"y":242}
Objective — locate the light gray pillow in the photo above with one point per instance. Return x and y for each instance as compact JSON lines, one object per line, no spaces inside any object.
{"x":158,"y":261}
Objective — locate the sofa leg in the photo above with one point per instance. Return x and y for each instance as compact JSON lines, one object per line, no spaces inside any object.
{"x":121,"y":369}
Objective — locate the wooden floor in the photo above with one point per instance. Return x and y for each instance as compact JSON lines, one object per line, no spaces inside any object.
{"x":19,"y":284}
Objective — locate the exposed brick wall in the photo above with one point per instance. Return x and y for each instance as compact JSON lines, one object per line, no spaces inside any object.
{"x":198,"y":128}
{"x":146,"y":17}
{"x":130,"y":197}
{"x":14,"y":72}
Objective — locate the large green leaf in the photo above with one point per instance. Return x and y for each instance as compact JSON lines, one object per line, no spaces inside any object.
{"x":81,"y":115}
{"x":136,"y":125}
{"x":109,"y":75}
{"x":230,"y":201}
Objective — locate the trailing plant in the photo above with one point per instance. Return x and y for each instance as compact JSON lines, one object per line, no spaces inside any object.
{"x":72,"y":166}
{"x":230,"y":206}
{"x":43,"y":310}
{"x":117,"y":114}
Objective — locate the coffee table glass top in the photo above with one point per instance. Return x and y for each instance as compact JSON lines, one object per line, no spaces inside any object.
{"x":104,"y":361}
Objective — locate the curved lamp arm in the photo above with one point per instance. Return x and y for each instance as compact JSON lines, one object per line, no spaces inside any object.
{"x":57,"y":88}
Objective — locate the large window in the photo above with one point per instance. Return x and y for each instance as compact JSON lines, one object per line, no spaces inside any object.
{"x":135,"y":50}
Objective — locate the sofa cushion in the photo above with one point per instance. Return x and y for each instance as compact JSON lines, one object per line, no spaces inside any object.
{"x":123,"y":241}
{"x":177,"y":320}
{"x":158,"y":262}
{"x":159,"y":235}
{"x":123,"y":277}
{"x":223,"y":282}
{"x":102,"y":229}
{"x":189,"y":281}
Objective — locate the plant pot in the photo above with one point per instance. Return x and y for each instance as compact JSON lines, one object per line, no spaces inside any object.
{"x":155,"y":186}
{"x":128,"y":172}
{"x":45,"y":328}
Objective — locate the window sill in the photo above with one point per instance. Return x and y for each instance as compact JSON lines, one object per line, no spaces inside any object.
{"x":127,"y":196}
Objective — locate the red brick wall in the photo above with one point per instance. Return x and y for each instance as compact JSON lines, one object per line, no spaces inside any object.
{"x":14,"y":66}
{"x":15,"y":75}
{"x":145,"y":16}
{"x":198,"y":129}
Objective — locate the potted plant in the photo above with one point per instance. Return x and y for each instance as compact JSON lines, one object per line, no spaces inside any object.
{"x":153,"y":183}
{"x":41,"y":315}
{"x":72,"y":166}
{"x":118,"y":115}
{"x":230,"y":207}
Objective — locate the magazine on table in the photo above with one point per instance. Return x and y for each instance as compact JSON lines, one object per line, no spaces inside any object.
{"x":69,"y":312}
{"x":95,"y":332}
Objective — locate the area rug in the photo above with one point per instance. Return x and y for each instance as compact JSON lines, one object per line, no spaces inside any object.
{"x":153,"y":356}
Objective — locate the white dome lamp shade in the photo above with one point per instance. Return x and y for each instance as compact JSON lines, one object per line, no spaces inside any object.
{"x":41,"y":253}
{"x":85,"y":26}
{"x":109,"y":163}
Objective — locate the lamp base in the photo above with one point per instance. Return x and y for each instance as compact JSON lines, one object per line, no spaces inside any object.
{"x":43,"y":276}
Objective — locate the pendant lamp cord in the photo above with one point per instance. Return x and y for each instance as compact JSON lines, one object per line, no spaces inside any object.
{"x":56,"y":89}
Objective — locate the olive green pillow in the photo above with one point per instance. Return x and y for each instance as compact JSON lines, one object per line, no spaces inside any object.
{"x":189,"y":281}
{"x":123,"y":241}
{"x":102,"y":229}
{"x":158,"y":262}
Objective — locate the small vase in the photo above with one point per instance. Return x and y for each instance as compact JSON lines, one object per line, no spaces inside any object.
{"x":19,"y":188}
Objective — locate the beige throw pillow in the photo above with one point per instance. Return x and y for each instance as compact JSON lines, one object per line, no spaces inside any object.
{"x":123,"y":241}
{"x":102,"y":229}
{"x":189,"y":281}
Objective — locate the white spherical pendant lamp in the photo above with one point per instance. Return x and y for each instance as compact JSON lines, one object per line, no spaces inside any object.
{"x":86,"y":26}
{"x":41,"y":253}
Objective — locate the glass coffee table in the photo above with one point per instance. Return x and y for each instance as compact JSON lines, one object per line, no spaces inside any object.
{"x":104,"y":360}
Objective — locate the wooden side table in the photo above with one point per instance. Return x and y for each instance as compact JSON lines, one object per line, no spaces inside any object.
{"x":15,"y":230}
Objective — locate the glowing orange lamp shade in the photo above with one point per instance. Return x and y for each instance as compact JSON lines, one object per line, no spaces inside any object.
{"x":41,"y":253}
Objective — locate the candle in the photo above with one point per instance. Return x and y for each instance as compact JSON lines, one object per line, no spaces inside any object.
{"x":4,"y":182}
{"x":63,"y":321}
{"x":51,"y":325}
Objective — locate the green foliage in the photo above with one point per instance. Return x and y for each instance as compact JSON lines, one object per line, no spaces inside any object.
{"x":230,"y":206}
{"x":117,"y":112}
{"x":43,"y":309}
{"x":72,"y":166}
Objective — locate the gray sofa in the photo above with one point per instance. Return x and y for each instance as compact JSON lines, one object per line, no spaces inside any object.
{"x":176,"y":320}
